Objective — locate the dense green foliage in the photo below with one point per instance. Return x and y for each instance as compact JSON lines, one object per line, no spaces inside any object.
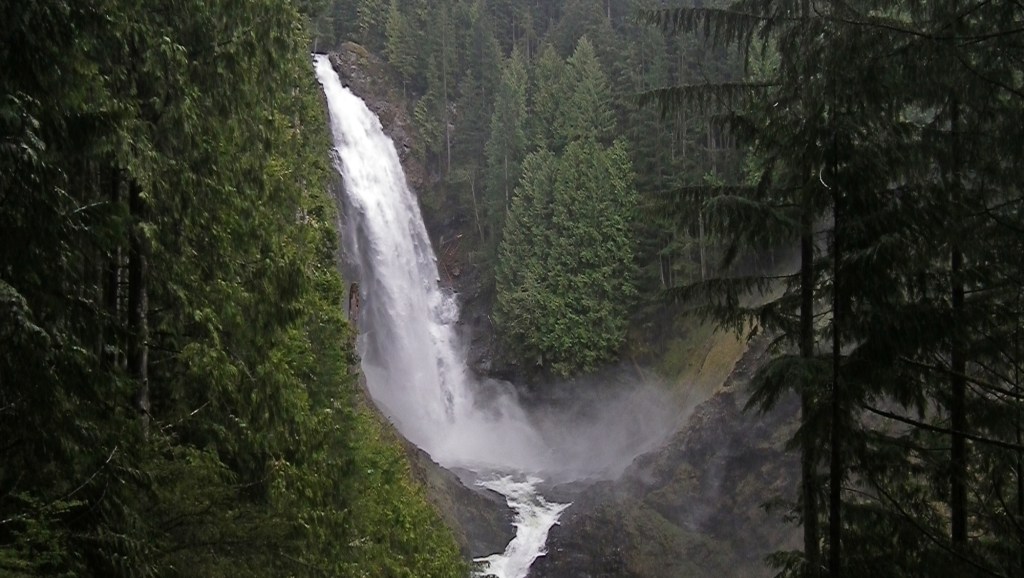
{"x":492,"y":83}
{"x":175,"y":387}
{"x":564,"y":276}
{"x":884,"y":140}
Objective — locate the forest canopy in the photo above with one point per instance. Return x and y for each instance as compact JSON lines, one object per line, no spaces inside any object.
{"x":176,"y":395}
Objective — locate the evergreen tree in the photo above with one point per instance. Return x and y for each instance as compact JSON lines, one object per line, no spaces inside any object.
{"x":565,"y":279}
{"x":887,"y":130}
{"x":174,"y":370}
{"x":372,"y":22}
{"x":402,"y":48}
{"x":587,"y":114}
{"x":784,"y":204}
{"x":550,"y":94}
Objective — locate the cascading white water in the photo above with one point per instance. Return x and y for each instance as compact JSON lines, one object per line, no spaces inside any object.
{"x":410,"y":350}
{"x":534,"y":517}
{"x":414,"y":363}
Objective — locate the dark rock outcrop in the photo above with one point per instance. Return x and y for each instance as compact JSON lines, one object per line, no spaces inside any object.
{"x":694,"y":507}
{"x":368,"y":78}
{"x":479,"y":517}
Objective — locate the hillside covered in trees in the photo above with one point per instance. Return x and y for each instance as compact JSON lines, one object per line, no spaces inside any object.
{"x":843,"y":178}
{"x":175,"y":387}
{"x":509,"y":95}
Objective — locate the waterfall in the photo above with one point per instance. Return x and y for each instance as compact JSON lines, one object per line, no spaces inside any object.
{"x":409,"y":346}
{"x":415,"y":365}
{"x":411,"y":355}
{"x":410,"y":350}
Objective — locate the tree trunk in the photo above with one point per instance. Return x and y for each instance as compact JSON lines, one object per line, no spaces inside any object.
{"x":700,"y":233}
{"x":1020,"y":440}
{"x":444,"y":77}
{"x":713,"y":161}
{"x":836,"y":474}
{"x":958,"y":363}
{"x":112,"y":284}
{"x":476,"y":210}
{"x":138,"y":304}
{"x":808,"y":456}
{"x":958,"y":412}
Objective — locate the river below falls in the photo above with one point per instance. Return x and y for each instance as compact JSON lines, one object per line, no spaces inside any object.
{"x":534,"y":517}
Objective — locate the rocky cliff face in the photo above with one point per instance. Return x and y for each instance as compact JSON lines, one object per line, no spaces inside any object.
{"x":366,"y":76}
{"x":693,"y":508}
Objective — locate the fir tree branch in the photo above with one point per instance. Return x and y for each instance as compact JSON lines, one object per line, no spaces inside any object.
{"x":943,"y":430}
{"x":946,"y":372}
{"x":701,"y":97}
{"x":1006,"y":508}
{"x":1014,"y":91}
{"x":67,"y":496}
{"x":672,"y":20}
{"x":931,"y":537}
{"x":893,"y":25}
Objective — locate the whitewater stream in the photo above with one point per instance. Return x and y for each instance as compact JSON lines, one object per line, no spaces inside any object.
{"x":414,"y":361}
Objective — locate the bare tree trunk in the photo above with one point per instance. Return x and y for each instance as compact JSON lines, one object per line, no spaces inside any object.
{"x":808,"y":455}
{"x":958,"y":363}
{"x":835,"y":503}
{"x":138,"y":304}
{"x":476,"y":209}
{"x":1020,"y":440}
{"x":444,"y":77}
{"x":112,"y":284}
{"x":713,"y":161}
{"x":836,"y":471}
{"x":701,"y":242}
{"x":958,"y":412}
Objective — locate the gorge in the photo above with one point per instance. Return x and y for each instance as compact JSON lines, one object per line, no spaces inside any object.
{"x":635,"y":289}
{"x":413,"y":358}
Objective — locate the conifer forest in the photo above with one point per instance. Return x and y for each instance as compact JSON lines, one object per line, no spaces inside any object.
{"x":841,"y":179}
